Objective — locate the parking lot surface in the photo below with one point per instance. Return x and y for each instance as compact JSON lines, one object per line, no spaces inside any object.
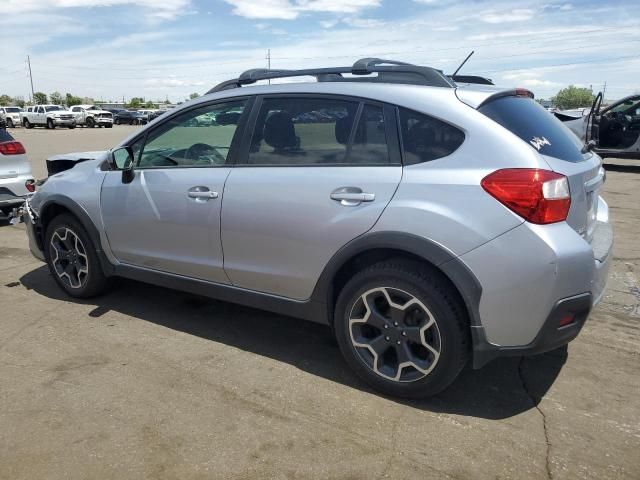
{"x":146,"y":382}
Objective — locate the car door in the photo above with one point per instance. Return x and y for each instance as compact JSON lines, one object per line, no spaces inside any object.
{"x":40,"y":117}
{"x":168,"y":217}
{"x":78,"y":114}
{"x":306,"y":183}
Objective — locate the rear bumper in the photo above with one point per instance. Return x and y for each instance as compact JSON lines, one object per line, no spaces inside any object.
{"x":531,"y":277}
{"x":552,"y":335}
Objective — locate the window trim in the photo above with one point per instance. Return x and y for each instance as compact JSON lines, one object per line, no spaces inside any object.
{"x":391,"y":132}
{"x":233,"y":147}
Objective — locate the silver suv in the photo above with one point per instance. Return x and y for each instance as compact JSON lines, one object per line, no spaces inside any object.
{"x":427,"y":222}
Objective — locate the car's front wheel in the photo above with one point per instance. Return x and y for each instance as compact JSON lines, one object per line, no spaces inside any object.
{"x":72,"y":258}
{"x":402,"y":327}
{"x":9,"y":123}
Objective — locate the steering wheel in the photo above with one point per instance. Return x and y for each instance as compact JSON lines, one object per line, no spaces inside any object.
{"x":199,"y":150}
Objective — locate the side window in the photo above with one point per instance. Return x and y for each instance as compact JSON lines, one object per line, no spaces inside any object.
{"x":302,"y":131}
{"x":75,"y":109}
{"x":370,"y":142}
{"x":197,"y":138}
{"x":426,"y":138}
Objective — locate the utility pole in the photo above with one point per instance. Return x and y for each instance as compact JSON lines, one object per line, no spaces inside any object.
{"x":30,"y":78}
{"x":604,"y":90}
{"x":268,"y":57}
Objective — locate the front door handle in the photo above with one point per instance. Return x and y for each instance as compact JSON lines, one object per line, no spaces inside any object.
{"x":351,"y":196}
{"x":201,"y":193}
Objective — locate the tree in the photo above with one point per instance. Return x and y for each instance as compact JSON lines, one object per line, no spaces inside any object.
{"x":72,"y":100}
{"x":150,"y":104}
{"x":56,"y":98}
{"x":136,"y":102}
{"x":194,"y":95}
{"x":40,"y":98}
{"x":573,"y":97}
{"x":19,"y":102}
{"x":5,"y":100}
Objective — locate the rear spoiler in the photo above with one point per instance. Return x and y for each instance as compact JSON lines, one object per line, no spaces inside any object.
{"x":517,"y":92}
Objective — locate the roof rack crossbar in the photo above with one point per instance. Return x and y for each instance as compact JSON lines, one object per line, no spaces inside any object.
{"x":365,"y":66}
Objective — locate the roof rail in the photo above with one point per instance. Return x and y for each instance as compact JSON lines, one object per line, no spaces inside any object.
{"x":472,"y":79}
{"x":389,"y":71}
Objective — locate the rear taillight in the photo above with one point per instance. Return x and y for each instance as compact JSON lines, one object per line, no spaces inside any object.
{"x":539,"y":196}
{"x":11,"y":148}
{"x":30,"y":185}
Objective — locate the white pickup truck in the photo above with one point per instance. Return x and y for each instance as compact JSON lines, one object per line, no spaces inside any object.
{"x":90,"y":116}
{"x":11,"y":115}
{"x":50,"y":116}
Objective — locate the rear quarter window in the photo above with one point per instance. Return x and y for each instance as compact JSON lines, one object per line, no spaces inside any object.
{"x":528,"y":120}
{"x":425,"y":138}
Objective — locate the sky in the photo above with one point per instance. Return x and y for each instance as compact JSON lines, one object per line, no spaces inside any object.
{"x":167,"y":49}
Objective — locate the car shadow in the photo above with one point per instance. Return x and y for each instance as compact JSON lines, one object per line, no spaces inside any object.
{"x":625,"y":168}
{"x":503,"y":388}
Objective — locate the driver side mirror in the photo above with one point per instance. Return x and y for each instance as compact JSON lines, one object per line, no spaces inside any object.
{"x":122,"y":159}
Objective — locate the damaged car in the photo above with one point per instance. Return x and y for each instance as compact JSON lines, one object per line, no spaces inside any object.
{"x":613,"y":131}
{"x":427,"y":223}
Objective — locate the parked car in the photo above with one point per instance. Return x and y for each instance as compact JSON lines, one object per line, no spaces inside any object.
{"x":427,"y":223}
{"x":129,"y":117}
{"x":90,"y":116}
{"x":16,"y":180}
{"x":11,"y":116}
{"x":614,"y":131}
{"x":50,"y":116}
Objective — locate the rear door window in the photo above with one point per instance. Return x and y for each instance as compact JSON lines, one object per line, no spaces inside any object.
{"x":296,"y":131}
{"x":425,"y":138}
{"x":534,"y":125}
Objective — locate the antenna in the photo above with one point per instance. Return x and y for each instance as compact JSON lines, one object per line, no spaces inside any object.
{"x":462,"y":64}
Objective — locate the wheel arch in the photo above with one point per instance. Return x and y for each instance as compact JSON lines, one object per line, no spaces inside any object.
{"x":377,"y":246}
{"x":56,"y":205}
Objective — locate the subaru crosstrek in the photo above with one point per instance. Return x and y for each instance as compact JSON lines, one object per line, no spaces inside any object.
{"x":429,"y":223}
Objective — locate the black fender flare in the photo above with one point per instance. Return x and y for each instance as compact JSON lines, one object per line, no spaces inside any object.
{"x":77,"y":211}
{"x":448,"y":263}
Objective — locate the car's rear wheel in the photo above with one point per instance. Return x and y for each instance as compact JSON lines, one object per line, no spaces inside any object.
{"x":9,"y":123}
{"x":90,"y":123}
{"x":402,"y":328}
{"x":72,"y":258}
{"x":108,"y":125}
{"x":72,"y":126}
{"x":50,"y":124}
{"x":27,"y":123}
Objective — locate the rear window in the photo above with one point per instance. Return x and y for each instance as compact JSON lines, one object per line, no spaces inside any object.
{"x":533,"y":124}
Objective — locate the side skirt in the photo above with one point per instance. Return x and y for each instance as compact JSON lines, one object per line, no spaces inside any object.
{"x":311,"y":310}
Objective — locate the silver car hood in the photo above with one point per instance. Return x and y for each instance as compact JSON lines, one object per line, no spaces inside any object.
{"x":65,"y":161}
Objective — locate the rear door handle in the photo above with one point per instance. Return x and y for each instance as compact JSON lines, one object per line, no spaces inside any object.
{"x":201,"y":193}
{"x":351,"y":196}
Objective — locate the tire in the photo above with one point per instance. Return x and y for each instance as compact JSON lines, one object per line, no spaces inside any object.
{"x":9,"y":123}
{"x":84,"y":278}
{"x":108,"y":125}
{"x":50,"y":124}
{"x":27,"y":123}
{"x":90,"y":123}
{"x":72,"y":126}
{"x":428,"y":311}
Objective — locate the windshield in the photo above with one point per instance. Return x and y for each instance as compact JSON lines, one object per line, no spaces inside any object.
{"x":532,"y":123}
{"x":13,"y":109}
{"x":628,"y":107}
{"x":53,"y":108}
